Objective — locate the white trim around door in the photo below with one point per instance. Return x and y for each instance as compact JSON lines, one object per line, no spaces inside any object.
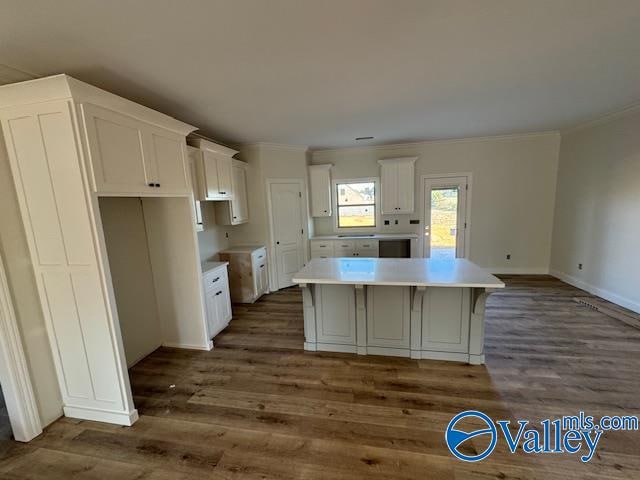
{"x":274,"y":260}
{"x":14,"y":372}
{"x":461,"y":180}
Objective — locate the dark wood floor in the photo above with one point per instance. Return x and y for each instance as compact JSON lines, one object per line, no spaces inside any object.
{"x":260,"y":407}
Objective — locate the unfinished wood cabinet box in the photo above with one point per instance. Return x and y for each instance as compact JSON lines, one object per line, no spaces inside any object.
{"x":248,"y":272}
{"x":68,"y":144}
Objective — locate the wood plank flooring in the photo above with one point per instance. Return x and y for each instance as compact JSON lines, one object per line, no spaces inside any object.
{"x":259,"y":407}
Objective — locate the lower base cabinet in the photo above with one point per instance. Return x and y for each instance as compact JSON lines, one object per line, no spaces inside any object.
{"x":248,"y":272}
{"x":217,"y":299}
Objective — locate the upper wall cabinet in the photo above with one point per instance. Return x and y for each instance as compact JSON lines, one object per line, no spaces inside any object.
{"x":397,"y":185}
{"x":320,"y":181}
{"x":235,"y":211}
{"x":132,"y":157}
{"x":214,"y":169}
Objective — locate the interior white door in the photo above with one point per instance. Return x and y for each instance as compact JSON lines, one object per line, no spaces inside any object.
{"x":288,"y":229}
{"x":445,"y":217}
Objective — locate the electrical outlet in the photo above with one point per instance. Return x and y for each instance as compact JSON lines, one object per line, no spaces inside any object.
{"x":414,"y":222}
{"x":508,"y":256}
{"x":396,"y":222}
{"x":579,"y":266}
{"x":386,"y":222}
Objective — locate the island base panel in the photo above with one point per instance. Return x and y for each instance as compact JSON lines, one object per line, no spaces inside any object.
{"x":435,"y":323}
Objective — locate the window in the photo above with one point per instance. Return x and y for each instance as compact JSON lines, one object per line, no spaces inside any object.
{"x":356,"y":204}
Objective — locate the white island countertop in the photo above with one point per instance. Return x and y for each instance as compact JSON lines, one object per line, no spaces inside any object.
{"x":420,"y":272}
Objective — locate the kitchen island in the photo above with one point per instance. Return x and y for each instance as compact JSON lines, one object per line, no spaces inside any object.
{"x":408,"y":307}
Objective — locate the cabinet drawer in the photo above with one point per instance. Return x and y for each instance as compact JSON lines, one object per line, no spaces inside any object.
{"x":259,"y":256}
{"x":344,"y":248}
{"x":321,"y":248}
{"x":367,"y":244}
{"x":215,"y":279}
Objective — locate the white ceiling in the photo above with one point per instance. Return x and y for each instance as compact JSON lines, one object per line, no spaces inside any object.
{"x":322,"y":72}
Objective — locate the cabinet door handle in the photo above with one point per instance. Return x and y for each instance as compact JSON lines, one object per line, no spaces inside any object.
{"x":157,"y":185}
{"x":215,"y":280}
{"x":234,"y":217}
{"x":261,"y":266}
{"x":223,"y":193}
{"x":151,"y":184}
{"x":219,"y":293}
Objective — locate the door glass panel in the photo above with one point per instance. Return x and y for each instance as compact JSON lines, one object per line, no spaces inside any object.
{"x":444,"y":222}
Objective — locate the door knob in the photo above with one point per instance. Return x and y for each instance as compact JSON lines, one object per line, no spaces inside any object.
{"x":277,"y":243}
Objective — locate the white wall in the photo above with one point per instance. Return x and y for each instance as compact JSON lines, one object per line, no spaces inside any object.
{"x":268,"y":161}
{"x":597,"y":215}
{"x":513,"y":192}
{"x":13,"y":246}
{"x":213,"y":239}
{"x":131,"y":272}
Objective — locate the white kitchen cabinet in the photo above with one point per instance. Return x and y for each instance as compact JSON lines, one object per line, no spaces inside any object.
{"x":130,"y":157}
{"x":397,"y":185}
{"x":69,"y":143}
{"x":248,"y":272}
{"x":235,"y":211}
{"x":192,"y":154}
{"x":216,"y":297}
{"x":320,"y":183}
{"x":214,"y":169}
{"x":344,"y":248}
{"x":322,"y":248}
{"x":366,"y":248}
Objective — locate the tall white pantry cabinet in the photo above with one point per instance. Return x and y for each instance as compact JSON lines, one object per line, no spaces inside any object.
{"x":69,"y":143}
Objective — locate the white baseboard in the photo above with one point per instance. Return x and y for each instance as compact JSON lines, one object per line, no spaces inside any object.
{"x":449,"y":356}
{"x":518,"y":270}
{"x":600,"y":292}
{"x":107,"y":416}
{"x":207,"y":347}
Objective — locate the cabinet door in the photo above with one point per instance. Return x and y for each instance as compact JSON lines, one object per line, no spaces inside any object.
{"x":210,"y":176}
{"x":223,"y":303}
{"x":445,"y":319}
{"x":167,"y":152}
{"x":211,"y":306}
{"x":388,"y":316}
{"x":320,"y":180}
{"x":389,"y":188}
{"x":116,"y":146}
{"x":344,"y":248}
{"x":225,"y":180}
{"x":239,"y":202}
{"x":263,"y":278}
{"x":336,"y":314}
{"x":405,"y":187}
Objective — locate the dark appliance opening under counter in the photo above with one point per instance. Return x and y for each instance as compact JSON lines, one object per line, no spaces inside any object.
{"x":394,"y":248}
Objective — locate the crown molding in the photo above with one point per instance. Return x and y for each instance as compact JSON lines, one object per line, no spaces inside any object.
{"x":400,"y":146}
{"x":9,"y":74}
{"x":603,"y":119}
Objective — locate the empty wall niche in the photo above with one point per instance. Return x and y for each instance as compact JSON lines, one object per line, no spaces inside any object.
{"x":154,"y":264}
{"x":395,"y":248}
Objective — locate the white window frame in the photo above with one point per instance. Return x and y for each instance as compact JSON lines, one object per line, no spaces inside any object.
{"x":334,"y":201}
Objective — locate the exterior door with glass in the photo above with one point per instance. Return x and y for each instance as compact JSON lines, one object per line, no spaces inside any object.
{"x":445,"y":217}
